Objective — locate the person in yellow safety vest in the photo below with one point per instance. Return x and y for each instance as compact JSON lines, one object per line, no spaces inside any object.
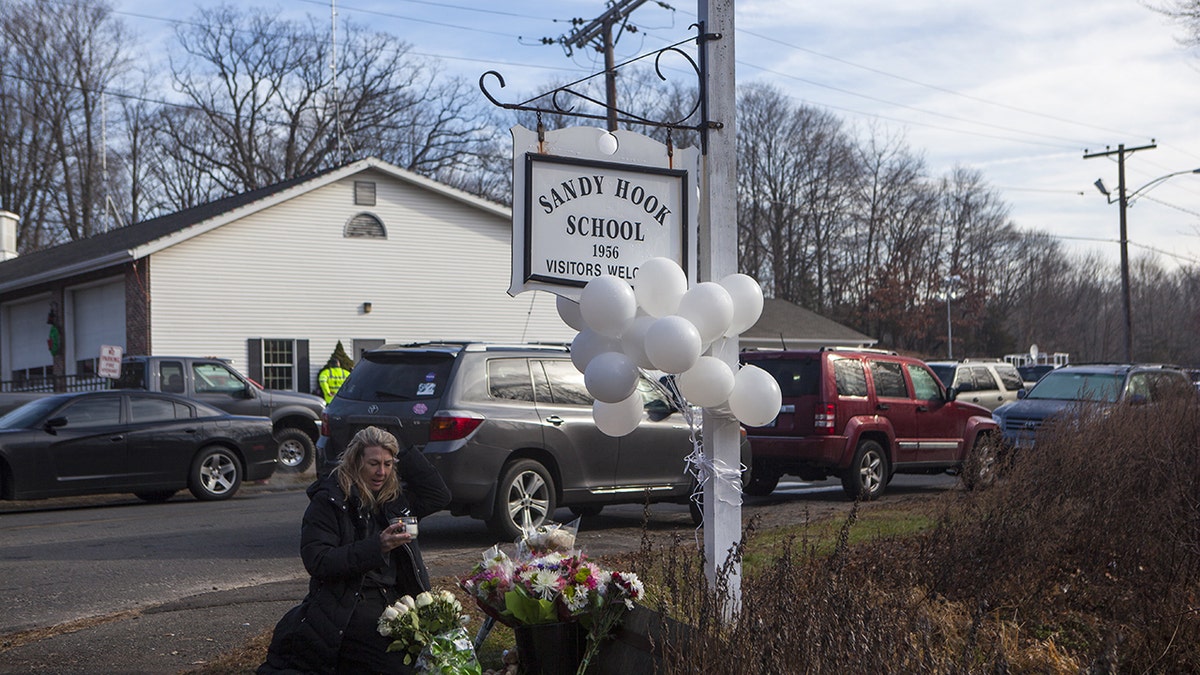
{"x":330,"y":379}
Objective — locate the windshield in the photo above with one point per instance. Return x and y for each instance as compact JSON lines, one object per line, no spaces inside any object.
{"x":29,"y":414}
{"x":1076,"y":386}
{"x":398,"y":376}
{"x":944,"y":373}
{"x":796,"y":377}
{"x":133,"y":376}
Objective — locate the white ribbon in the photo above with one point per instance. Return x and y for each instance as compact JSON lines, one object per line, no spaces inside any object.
{"x":699,"y":464}
{"x":705,"y":469}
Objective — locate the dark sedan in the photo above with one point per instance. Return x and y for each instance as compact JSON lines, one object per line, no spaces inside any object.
{"x":147,"y":443}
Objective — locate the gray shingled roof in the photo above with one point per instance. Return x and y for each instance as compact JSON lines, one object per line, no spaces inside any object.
{"x":127,"y":239}
{"x":784,"y":321}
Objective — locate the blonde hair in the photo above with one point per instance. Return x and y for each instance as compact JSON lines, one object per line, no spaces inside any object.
{"x":349,"y":468}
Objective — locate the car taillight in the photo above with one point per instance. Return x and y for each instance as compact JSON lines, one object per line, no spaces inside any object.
{"x":324,"y":424}
{"x":452,"y":427}
{"x":825,"y":419}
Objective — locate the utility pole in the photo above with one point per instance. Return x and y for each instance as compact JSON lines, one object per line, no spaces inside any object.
{"x":1123,"y":199}
{"x":602,"y":27}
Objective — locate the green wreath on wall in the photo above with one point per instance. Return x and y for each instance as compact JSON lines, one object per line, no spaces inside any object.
{"x":54,"y":342}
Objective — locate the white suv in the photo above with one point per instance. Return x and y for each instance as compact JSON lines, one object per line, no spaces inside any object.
{"x":986,"y":382}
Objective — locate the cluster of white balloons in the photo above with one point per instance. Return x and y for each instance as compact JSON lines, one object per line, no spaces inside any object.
{"x":661,"y":324}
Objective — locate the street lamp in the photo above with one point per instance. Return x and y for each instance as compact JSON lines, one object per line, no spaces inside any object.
{"x":1126,"y":200}
{"x":951,"y":284}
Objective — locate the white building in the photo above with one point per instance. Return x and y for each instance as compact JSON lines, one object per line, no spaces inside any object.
{"x":272,"y":280}
{"x":365,"y":253}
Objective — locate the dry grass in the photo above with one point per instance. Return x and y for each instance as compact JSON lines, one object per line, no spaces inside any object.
{"x":1083,"y":557}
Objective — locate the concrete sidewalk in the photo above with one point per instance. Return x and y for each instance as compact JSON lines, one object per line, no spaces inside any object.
{"x":175,"y":637}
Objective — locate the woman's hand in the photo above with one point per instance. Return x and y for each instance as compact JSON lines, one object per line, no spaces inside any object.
{"x":394,"y":537}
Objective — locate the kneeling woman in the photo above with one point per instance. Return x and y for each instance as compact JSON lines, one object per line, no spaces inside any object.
{"x":358,"y":561}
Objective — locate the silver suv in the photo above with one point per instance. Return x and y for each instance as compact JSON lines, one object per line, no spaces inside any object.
{"x":510,"y":428}
{"x":987,"y":382}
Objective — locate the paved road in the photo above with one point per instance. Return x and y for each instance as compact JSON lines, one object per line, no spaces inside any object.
{"x":115,"y":585}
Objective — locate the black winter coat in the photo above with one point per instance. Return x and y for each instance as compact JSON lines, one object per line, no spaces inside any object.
{"x":337,"y":553}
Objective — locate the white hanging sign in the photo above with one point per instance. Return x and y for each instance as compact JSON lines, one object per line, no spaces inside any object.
{"x":588,"y":203}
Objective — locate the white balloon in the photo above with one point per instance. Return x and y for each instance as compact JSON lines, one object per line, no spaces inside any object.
{"x":608,"y":305}
{"x":568,"y":311}
{"x":659,"y":285}
{"x":618,"y":419}
{"x":587,"y":345}
{"x":747,"y":299}
{"x":633,"y":341}
{"x":610,"y":377}
{"x":755,"y":398}
{"x":672,"y":344}
{"x":706,"y":384}
{"x":709,"y":307}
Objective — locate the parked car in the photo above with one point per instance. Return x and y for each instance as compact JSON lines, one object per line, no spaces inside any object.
{"x":294,"y":415}
{"x":861,"y":416}
{"x":147,"y":443}
{"x":510,"y":428}
{"x":1102,"y":384}
{"x":986,"y":382}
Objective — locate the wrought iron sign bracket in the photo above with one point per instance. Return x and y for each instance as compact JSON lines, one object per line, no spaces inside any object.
{"x":561,"y":99}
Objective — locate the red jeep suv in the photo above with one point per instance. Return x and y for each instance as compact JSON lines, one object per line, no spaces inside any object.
{"x":861,"y":415}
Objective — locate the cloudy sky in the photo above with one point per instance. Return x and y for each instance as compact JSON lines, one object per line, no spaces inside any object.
{"x":1019,"y":90}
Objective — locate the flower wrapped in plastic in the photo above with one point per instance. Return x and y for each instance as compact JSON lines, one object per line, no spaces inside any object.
{"x":430,"y":630}
{"x":547,"y":538}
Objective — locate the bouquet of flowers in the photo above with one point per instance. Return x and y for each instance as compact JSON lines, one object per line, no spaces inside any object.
{"x":430,"y":630}
{"x":553,"y":587}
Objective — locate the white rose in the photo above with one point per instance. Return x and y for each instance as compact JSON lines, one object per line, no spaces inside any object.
{"x":407,"y":602}
{"x":390,"y":613}
{"x":424,"y":599}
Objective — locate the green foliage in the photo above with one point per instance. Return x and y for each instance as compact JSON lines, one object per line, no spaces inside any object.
{"x":340,"y":357}
{"x":527,"y":609}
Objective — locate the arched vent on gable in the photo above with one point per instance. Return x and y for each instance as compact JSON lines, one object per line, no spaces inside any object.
{"x":365,"y":226}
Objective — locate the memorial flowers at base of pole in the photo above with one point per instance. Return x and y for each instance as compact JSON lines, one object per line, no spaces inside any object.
{"x":430,"y":630}
{"x":551,"y":587}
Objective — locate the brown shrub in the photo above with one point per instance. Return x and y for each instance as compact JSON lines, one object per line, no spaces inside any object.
{"x":1083,"y":557}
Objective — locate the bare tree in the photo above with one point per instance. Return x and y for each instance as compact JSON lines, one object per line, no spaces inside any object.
{"x":796,"y":172}
{"x":59,"y":59}
{"x":265,"y":106}
{"x":1187,"y":14}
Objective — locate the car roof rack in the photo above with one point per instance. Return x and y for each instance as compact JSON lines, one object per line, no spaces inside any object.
{"x":477,"y":346}
{"x":867,"y":350}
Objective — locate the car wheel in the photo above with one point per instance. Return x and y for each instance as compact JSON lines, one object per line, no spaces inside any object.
{"x":868,"y":474}
{"x":981,"y":467}
{"x":155,"y":496}
{"x":762,"y":481}
{"x":524,"y":498}
{"x":216,"y":474}
{"x":589,"y":511}
{"x":296,"y":450}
